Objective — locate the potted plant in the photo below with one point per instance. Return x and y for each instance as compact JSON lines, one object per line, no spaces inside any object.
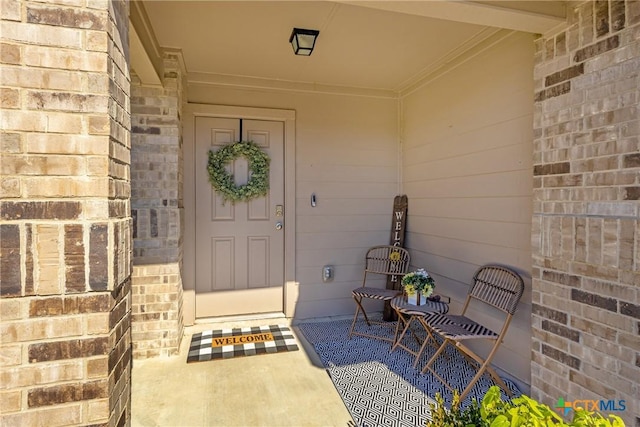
{"x":418,"y":286}
{"x":521,"y":411}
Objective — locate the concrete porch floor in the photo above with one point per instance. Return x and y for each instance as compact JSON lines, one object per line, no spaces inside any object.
{"x":282,"y":389}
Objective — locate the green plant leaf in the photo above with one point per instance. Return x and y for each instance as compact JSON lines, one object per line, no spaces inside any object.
{"x":500,"y":421}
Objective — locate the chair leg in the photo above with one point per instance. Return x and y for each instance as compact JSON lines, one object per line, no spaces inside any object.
{"x":433,"y":359}
{"x":395,"y":336}
{"x":370,"y":322}
{"x":472,"y":382}
{"x":407,"y":328}
{"x":359,"y":308}
{"x":499,"y":381}
{"x":398,"y":340}
{"x":475,"y":379}
{"x":426,"y":342}
{"x":484,"y":365}
{"x":355,"y":318}
{"x":435,"y":356}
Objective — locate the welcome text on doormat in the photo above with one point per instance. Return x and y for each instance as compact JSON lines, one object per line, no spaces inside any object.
{"x":242,"y":339}
{"x":237,"y":342}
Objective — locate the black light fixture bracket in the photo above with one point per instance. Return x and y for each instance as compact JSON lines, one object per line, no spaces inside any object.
{"x":303,"y":41}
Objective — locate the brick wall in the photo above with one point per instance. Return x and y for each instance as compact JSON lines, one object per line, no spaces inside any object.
{"x":157,"y":325}
{"x":65,"y":240}
{"x":157,"y":209}
{"x":586,"y":232}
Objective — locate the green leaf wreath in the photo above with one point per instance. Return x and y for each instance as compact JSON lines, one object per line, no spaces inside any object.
{"x":223,"y":182}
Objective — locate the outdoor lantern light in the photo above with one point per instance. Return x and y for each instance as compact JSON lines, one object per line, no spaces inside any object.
{"x":303,"y":41}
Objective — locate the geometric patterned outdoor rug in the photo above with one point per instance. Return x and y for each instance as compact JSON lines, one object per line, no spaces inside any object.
{"x":382,"y":388}
{"x":235,"y":342}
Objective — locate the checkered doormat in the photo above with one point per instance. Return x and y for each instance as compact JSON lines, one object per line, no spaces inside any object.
{"x":228,"y":343}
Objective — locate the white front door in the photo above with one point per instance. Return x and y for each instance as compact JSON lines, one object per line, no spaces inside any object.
{"x":239,"y":246}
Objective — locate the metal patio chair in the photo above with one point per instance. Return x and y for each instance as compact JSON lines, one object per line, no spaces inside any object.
{"x":498,"y":287}
{"x":383,"y":260}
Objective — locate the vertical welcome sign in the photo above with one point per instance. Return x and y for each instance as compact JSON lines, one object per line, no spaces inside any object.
{"x":398,"y":229}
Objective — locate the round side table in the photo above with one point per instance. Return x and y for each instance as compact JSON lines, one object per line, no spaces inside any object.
{"x":423,"y":315}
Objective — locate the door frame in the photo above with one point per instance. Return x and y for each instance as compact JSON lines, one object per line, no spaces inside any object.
{"x":191,"y":112}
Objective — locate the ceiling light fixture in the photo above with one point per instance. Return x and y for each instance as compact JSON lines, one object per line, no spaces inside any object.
{"x":303,"y":41}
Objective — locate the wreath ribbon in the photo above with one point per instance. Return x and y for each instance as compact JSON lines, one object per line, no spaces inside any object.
{"x":223,"y":182}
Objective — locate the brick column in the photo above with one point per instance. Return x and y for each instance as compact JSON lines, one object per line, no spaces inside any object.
{"x":586,"y":230}
{"x":157,"y":209}
{"x":65,"y":240}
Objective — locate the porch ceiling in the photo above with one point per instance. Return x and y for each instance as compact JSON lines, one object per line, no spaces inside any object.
{"x":384,"y":45}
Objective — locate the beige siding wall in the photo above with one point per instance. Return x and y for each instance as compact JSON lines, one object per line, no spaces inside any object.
{"x":467,"y":172}
{"x":347,"y":154}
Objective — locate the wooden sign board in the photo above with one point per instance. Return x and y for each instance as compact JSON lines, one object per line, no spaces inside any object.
{"x":398,"y":230}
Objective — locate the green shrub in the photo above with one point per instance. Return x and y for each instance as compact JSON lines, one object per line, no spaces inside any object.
{"x":469,"y":417}
{"x":519,"y":412}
